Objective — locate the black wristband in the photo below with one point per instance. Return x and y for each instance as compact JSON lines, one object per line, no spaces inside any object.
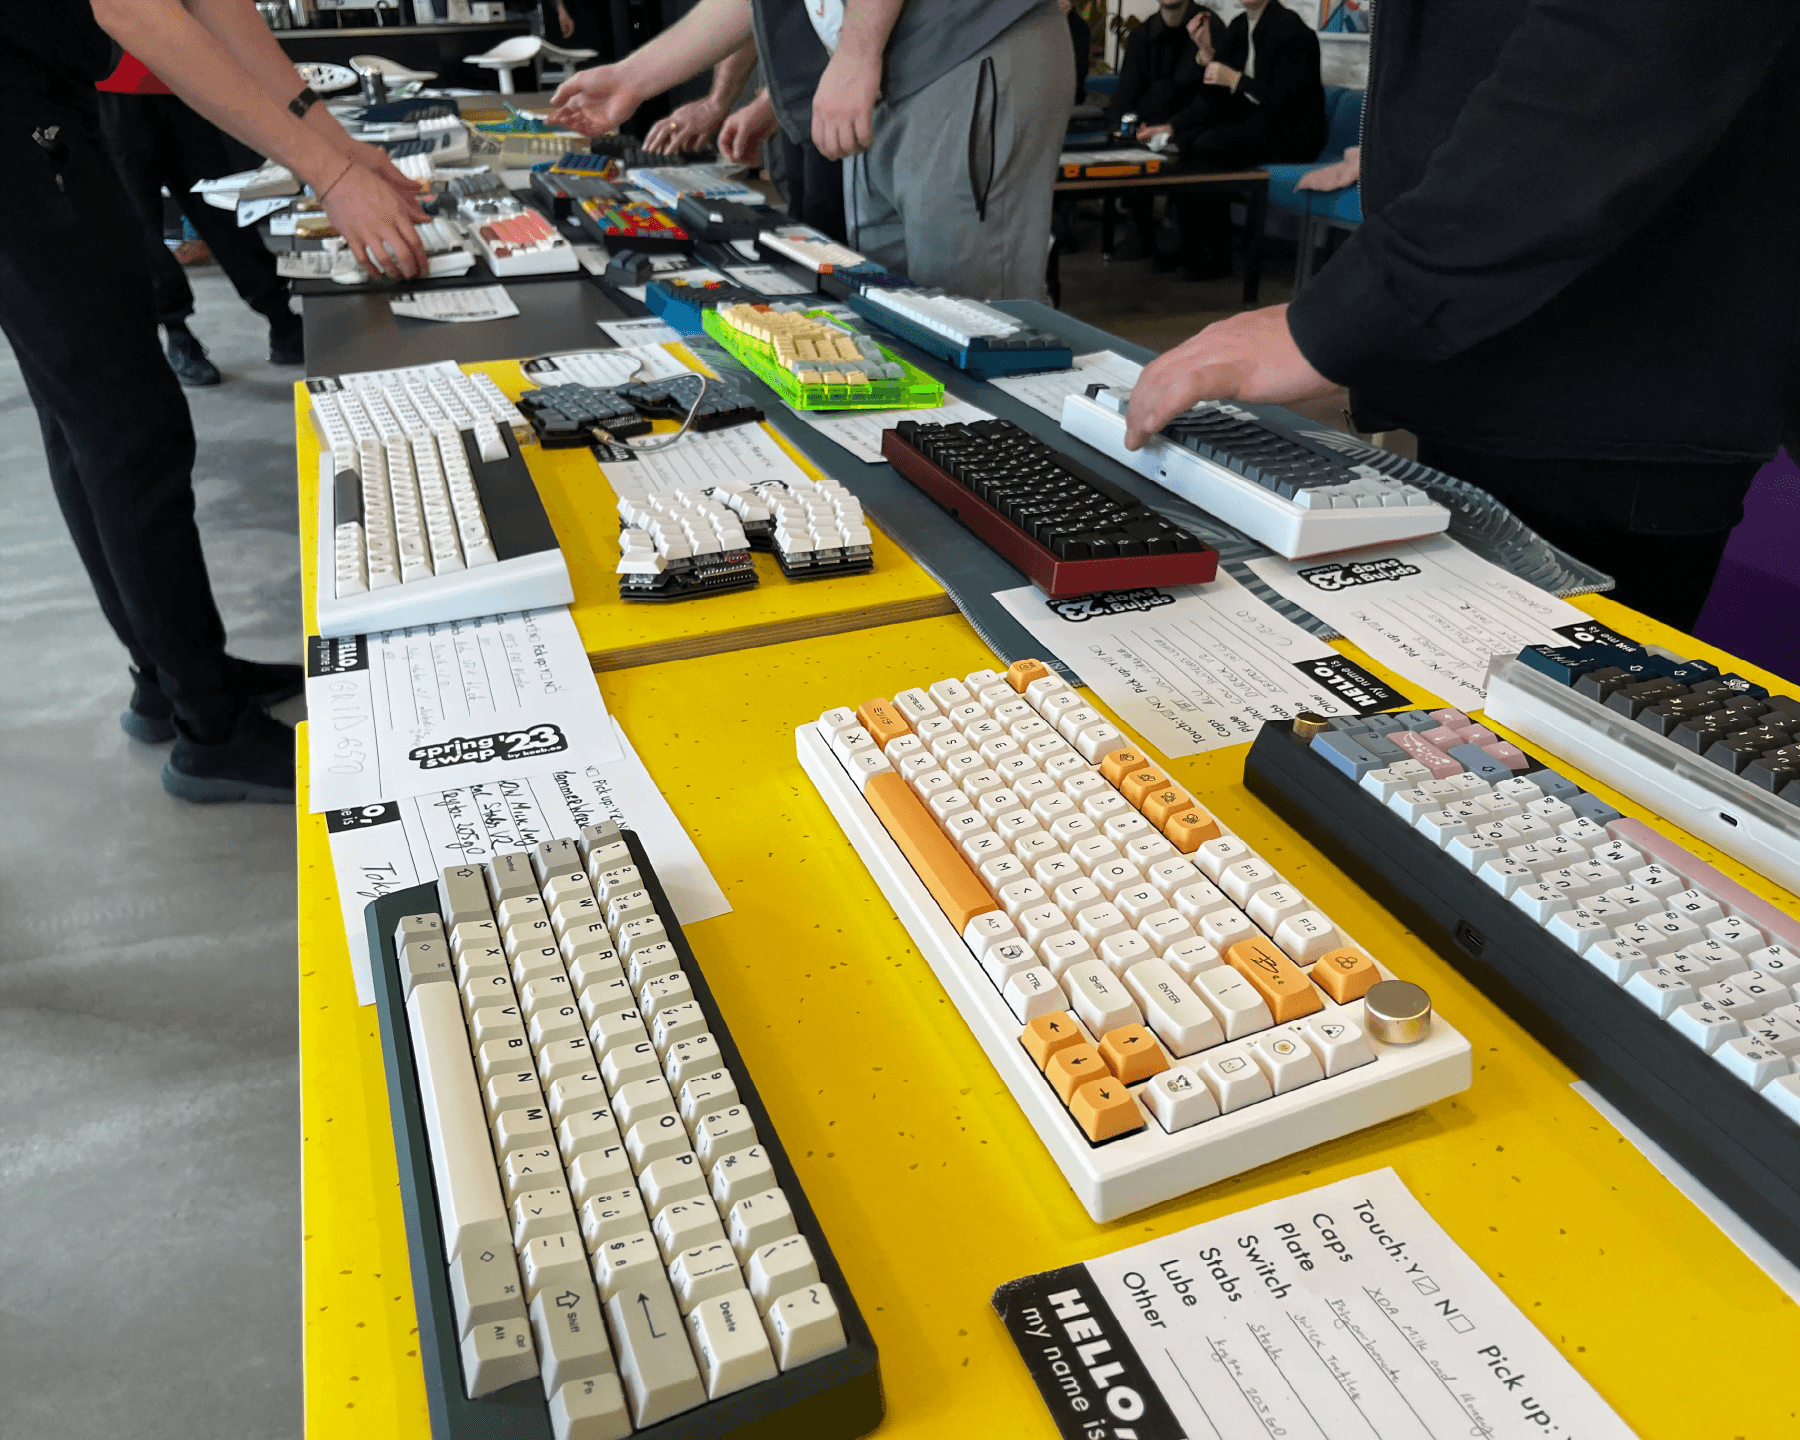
{"x":303,"y":102}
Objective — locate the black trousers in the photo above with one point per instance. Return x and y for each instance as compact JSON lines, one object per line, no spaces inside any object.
{"x":814,"y":186}
{"x":1659,"y":529}
{"x":75,"y":305}
{"x":157,"y":141}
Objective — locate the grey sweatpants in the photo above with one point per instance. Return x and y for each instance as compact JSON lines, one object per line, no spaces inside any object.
{"x":913,"y":200}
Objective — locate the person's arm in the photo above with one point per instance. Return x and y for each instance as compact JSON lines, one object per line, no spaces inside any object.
{"x":843,"y":105}
{"x":746,"y":131}
{"x":1131,"y":81}
{"x":1289,"y":71}
{"x":1591,"y":120}
{"x":223,"y":60}
{"x":604,"y":97}
{"x":1594,"y":117}
{"x":693,"y":124}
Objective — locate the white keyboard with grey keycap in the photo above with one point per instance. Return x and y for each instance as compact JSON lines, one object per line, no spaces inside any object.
{"x":621,"y":1228}
{"x":427,"y":512}
{"x":1165,"y":1007}
{"x":1294,"y":497}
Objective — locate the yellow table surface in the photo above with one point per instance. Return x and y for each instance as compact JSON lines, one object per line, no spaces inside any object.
{"x":932,"y":1187}
{"x":618,"y":633}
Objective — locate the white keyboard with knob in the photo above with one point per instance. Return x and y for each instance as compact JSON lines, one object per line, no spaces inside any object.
{"x":1166,"y":1008}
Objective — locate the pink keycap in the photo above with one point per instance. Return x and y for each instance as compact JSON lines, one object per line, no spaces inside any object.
{"x":1455,"y":719}
{"x":1479,"y":735}
{"x":1511,"y":756}
{"x":1443,"y":737}
{"x":1441,"y":766}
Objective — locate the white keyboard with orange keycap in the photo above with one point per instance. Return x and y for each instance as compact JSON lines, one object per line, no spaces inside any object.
{"x":1164,"y":1006}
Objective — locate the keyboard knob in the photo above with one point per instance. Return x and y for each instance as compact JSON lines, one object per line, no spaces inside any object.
{"x":1397,"y":1012}
{"x":1307,"y":724}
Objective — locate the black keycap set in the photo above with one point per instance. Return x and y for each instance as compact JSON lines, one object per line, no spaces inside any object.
{"x":1022,"y":477}
{"x":1273,"y":461}
{"x":1731,"y":721}
{"x":565,"y":416}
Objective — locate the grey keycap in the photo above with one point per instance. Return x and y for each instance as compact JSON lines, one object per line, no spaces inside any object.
{"x":422,"y":961}
{"x":510,"y":876}
{"x":655,"y":1360}
{"x":462,"y":894}
{"x":485,"y":1288}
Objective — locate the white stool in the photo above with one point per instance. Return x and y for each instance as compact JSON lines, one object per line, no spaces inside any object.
{"x":507,"y":57}
{"x":566,"y":63}
{"x":392,"y":71}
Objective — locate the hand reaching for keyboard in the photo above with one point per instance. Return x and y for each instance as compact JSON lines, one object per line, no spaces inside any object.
{"x":375,"y":160}
{"x":376,"y":221}
{"x":745,"y":131}
{"x":595,"y":101}
{"x":1246,"y":357}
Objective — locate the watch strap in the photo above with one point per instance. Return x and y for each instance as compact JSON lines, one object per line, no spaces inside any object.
{"x":303,"y":102}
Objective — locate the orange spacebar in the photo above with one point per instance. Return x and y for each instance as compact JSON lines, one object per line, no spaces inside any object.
{"x":946,"y":874}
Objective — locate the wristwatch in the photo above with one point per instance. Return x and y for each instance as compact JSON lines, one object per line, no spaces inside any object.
{"x":303,"y":102}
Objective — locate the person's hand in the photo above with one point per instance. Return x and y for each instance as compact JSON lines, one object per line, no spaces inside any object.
{"x":746,"y":131}
{"x":565,"y":22}
{"x":1199,"y":29}
{"x":688,"y":128}
{"x":592,"y":102}
{"x":1150,"y":132}
{"x":1219,"y":73}
{"x":843,"y":106}
{"x":375,"y":160}
{"x":1339,"y":175}
{"x":1246,"y":357}
{"x":376,"y":222}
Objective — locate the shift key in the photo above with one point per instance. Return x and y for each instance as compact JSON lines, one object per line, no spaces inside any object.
{"x":655,"y":1361}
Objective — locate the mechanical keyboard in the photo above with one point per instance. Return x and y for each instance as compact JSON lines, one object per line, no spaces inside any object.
{"x":1683,"y":1014}
{"x":971,"y":336}
{"x":515,"y":239}
{"x":1713,"y":753}
{"x":808,"y":248}
{"x":719,"y":218}
{"x":1296,"y":498}
{"x":697,"y":541}
{"x":1063,"y":528}
{"x":1166,"y":1009}
{"x":604,"y":1228}
{"x":630,"y":225}
{"x":568,"y":415}
{"x":813,"y":363}
{"x":669,"y":184}
{"x":682,"y":304}
{"x":427,"y":511}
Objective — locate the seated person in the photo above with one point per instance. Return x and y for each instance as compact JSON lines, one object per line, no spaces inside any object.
{"x":1339,"y":175}
{"x":1261,"y":100}
{"x":1158,"y":82}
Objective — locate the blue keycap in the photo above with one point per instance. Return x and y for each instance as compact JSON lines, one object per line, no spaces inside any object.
{"x":1592,"y":807}
{"x":1562,"y":663}
{"x":1478,"y":762}
{"x":1345,"y":754}
{"x":1553,"y":784}
{"x":1413,"y":720}
{"x":1347,"y":724}
{"x":1384,"y":749}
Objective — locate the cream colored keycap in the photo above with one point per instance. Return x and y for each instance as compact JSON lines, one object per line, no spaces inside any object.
{"x":554,"y":1262}
{"x":804,"y":1325}
{"x":1179,"y":1017}
{"x":730,"y":1343}
{"x":703,"y":1272}
{"x":496,"y":1355}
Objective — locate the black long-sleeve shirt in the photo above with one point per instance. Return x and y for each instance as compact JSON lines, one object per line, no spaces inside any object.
{"x":1156,"y":77}
{"x":1580,"y":232}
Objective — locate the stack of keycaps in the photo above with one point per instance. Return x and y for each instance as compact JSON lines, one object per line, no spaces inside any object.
{"x":1734,"y":723}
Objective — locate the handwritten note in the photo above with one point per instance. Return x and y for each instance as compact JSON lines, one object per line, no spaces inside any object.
{"x":1344,"y":1313}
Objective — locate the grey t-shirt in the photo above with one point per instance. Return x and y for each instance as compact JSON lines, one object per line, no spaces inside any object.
{"x":931,"y":38}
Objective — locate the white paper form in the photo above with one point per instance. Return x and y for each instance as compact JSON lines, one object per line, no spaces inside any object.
{"x":744,"y":454}
{"x":649,"y":331}
{"x":1344,"y":1313}
{"x":378,"y":849}
{"x":859,"y":431}
{"x":482,"y":302}
{"x":1045,"y":392}
{"x":766,"y":280}
{"x":603,"y":368}
{"x":1427,"y":609}
{"x":1196,"y":667}
{"x":405,"y":712}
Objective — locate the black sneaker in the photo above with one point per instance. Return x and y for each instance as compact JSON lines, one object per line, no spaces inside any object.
{"x":288,"y":347}
{"x":256,"y":763}
{"x":151,"y":719}
{"x":187,"y":358}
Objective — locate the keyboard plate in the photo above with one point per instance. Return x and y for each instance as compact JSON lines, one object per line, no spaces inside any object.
{"x":1664,"y":1083}
{"x":1704,"y":799}
{"x":1127,"y":1174}
{"x":835,"y":1396}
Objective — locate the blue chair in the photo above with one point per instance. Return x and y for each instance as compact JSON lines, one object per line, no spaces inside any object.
{"x":1319,"y":212}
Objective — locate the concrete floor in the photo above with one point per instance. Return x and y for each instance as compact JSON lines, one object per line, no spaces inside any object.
{"x":149,"y":1113}
{"x":149,"y":1116}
